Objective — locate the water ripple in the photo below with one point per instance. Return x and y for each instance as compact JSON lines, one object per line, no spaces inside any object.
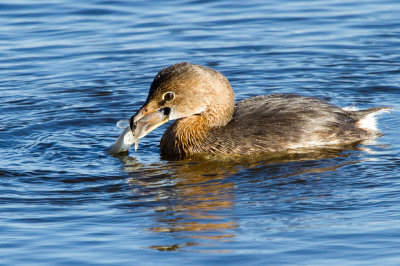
{"x":70,"y":70}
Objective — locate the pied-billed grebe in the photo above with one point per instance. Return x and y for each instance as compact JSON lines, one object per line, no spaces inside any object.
{"x":201,"y":101}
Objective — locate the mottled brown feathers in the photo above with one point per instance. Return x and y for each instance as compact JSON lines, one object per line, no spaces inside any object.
{"x":208,"y":122}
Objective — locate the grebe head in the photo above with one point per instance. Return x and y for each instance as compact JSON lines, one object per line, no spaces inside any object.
{"x":187,"y":90}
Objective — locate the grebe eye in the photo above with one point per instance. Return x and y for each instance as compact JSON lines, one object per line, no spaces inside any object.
{"x":168,"y":96}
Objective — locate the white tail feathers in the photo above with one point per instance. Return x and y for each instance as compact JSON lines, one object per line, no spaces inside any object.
{"x":369,"y":122}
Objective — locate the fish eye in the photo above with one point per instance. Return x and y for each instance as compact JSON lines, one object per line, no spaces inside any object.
{"x":168,"y":96}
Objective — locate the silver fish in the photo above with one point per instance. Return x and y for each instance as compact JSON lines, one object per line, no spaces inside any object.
{"x":140,"y":129}
{"x":123,"y":143}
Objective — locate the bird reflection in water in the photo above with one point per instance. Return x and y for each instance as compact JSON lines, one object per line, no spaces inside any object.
{"x":191,"y":200}
{"x":194,"y":200}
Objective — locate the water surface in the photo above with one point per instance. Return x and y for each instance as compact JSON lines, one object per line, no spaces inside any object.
{"x":70,"y":70}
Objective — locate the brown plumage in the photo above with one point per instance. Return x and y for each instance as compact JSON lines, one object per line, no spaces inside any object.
{"x":201,"y":101}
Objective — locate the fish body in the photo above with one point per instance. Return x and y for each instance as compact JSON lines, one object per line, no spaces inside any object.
{"x":132,"y":134}
{"x":123,"y":143}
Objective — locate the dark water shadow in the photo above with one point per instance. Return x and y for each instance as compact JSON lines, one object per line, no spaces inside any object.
{"x":193,"y":200}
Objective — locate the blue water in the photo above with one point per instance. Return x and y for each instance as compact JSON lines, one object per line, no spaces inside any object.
{"x":69,"y":70}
